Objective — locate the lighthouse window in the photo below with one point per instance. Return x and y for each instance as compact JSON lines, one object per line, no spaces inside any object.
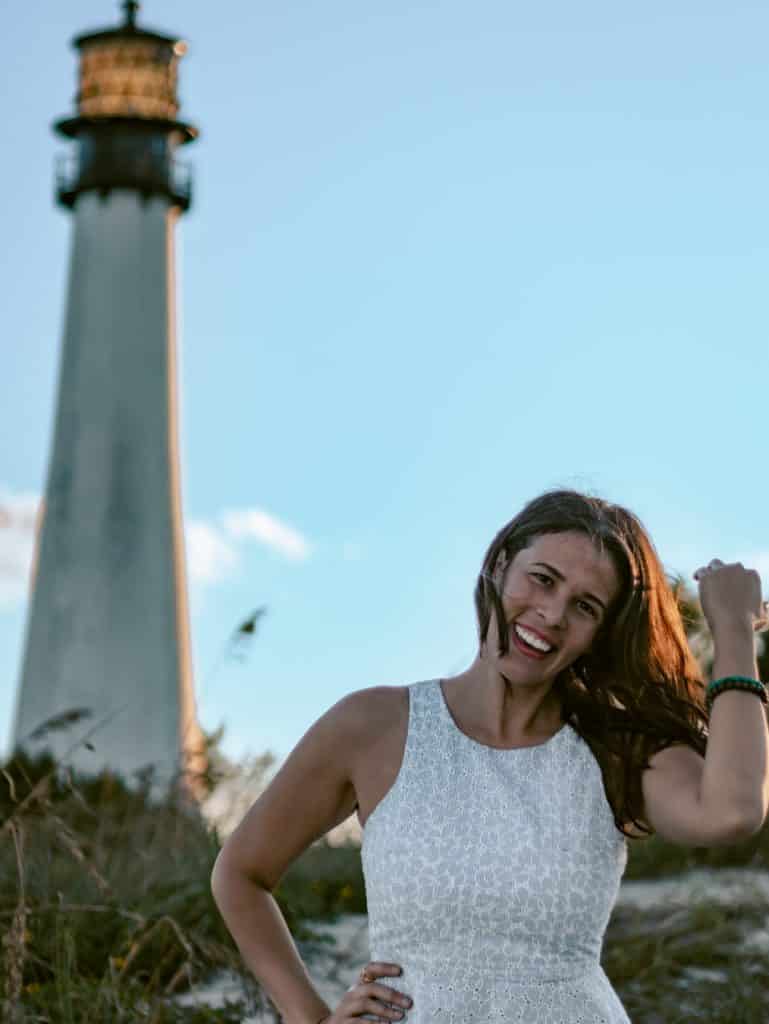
{"x":134,"y":78}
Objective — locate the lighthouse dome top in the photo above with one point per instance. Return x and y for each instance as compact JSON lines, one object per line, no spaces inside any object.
{"x":128,"y":71}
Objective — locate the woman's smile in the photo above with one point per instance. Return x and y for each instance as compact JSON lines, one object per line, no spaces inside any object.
{"x":527,"y":649}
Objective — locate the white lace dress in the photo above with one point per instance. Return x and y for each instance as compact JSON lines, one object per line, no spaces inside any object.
{"x":491,"y":875}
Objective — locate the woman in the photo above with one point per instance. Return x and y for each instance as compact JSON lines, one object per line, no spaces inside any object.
{"x":497,"y":804}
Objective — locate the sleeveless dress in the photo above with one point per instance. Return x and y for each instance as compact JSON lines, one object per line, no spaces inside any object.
{"x":491,"y":875}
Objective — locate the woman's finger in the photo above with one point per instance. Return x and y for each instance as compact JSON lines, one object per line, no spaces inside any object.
{"x":714,"y":563}
{"x":380,"y":1001}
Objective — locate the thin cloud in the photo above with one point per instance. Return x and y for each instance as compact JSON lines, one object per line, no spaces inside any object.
{"x":18,"y":518}
{"x":258,"y":524}
{"x":211,"y":557}
{"x":213,"y":550}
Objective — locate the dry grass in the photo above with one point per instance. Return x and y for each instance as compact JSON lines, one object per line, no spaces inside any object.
{"x":674,"y":967}
{"x":106,"y":912}
{"x":105,"y":902}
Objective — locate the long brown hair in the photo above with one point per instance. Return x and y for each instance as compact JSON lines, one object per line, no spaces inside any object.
{"x":640,"y":688}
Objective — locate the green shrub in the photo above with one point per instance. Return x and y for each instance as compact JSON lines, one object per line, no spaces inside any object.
{"x":106,"y":903}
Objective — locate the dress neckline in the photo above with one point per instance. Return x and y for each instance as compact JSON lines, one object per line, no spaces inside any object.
{"x":486,"y":746}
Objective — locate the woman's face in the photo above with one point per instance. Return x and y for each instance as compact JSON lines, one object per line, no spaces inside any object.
{"x":562,"y":588}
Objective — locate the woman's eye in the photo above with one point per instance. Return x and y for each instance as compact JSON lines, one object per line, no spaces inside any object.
{"x":542,"y":576}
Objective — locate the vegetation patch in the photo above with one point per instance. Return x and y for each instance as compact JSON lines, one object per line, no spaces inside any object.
{"x":106,"y":909}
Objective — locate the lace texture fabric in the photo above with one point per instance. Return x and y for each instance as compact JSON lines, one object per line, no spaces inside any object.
{"x":491,"y":875}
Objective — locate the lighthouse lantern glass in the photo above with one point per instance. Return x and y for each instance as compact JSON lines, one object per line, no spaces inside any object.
{"x":128,"y":78}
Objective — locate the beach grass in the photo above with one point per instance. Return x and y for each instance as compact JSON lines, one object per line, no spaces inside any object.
{"x":106,"y":913}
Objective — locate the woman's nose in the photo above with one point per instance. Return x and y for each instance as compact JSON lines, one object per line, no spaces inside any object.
{"x":554,"y":615}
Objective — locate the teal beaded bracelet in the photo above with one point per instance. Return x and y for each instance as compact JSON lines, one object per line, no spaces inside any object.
{"x":749,"y":680}
{"x":746,"y":683}
{"x":741,"y":679}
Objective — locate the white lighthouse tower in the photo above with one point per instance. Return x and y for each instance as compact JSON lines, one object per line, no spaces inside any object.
{"x":108,"y":628}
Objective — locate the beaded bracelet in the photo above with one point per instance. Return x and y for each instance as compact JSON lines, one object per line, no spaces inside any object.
{"x":718,"y":686}
{"x":741,"y":679}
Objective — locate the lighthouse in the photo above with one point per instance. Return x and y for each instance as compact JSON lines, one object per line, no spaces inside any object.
{"x":107,"y":639}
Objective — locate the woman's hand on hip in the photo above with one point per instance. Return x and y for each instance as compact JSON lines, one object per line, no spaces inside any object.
{"x":368,"y":996}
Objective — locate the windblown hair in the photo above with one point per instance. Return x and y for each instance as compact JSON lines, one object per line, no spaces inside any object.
{"x":640,"y":688}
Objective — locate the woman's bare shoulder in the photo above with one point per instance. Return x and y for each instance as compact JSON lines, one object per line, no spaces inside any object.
{"x":374,"y":709}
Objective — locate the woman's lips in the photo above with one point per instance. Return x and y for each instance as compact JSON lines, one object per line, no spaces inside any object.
{"x":529,"y":652}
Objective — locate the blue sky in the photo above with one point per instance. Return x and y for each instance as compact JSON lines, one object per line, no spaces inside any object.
{"x":441,"y":257}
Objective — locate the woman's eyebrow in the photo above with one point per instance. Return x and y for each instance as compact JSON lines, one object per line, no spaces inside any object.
{"x":560,"y":576}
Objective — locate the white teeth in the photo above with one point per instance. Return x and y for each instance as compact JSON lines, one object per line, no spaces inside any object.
{"x":530,"y":638}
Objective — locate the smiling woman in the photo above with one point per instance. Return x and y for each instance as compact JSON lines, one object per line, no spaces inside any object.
{"x":620,"y":671}
{"x":496,"y":804}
